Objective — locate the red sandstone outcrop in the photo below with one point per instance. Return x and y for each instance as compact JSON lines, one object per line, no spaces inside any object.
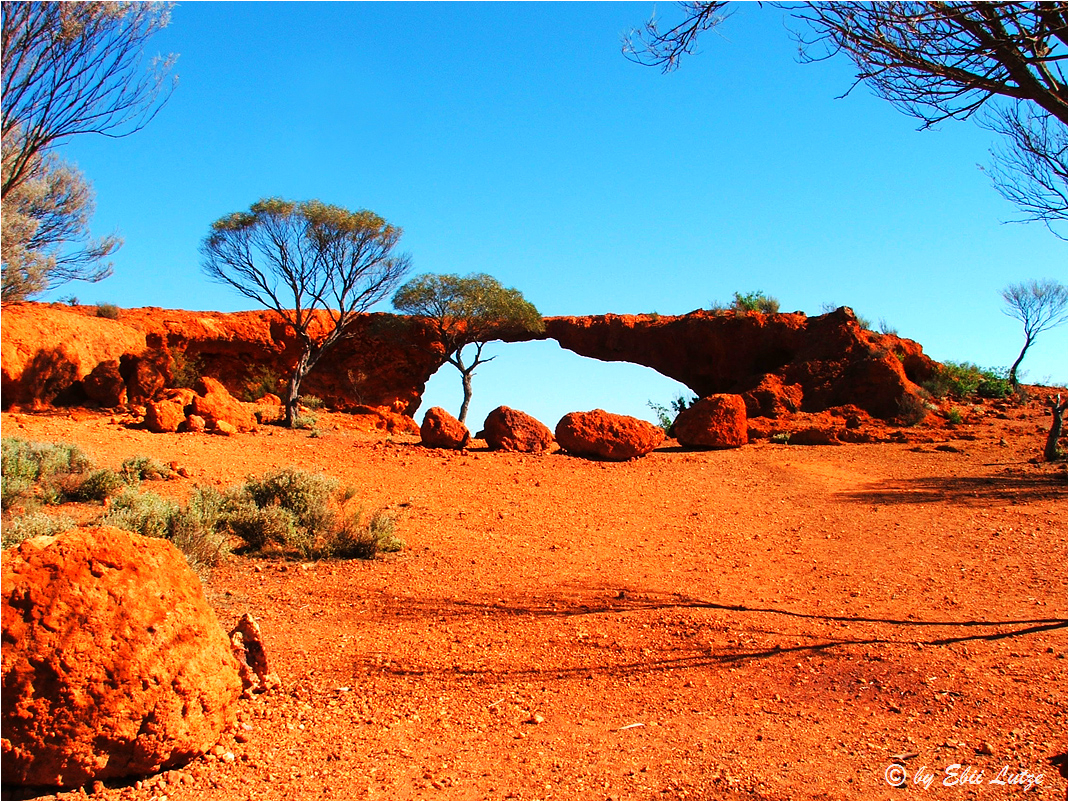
{"x":48,"y":350}
{"x":602,"y":435}
{"x":781,"y":364}
{"x":817,"y":362}
{"x":213,"y":403}
{"x":716,"y":421}
{"x":508,"y":429}
{"x":442,"y":430}
{"x":114,"y":665}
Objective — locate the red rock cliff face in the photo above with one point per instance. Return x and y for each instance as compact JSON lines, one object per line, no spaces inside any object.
{"x":778,"y":363}
{"x":830,"y":360}
{"x":48,"y":349}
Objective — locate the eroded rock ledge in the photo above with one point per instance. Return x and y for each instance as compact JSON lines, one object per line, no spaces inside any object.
{"x":779,"y":363}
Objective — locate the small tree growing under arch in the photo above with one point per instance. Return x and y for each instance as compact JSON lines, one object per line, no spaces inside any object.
{"x":467,"y":311}
{"x":1039,"y":305}
{"x":300,"y":259}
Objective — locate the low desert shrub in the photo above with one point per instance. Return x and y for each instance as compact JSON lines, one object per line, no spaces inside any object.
{"x":185,"y":369}
{"x":911,"y":409}
{"x":755,"y":302}
{"x":259,"y":381}
{"x":28,"y":468}
{"x":300,"y":512}
{"x":142,"y":513}
{"x":961,"y":380}
{"x":312,"y":402}
{"x":357,"y":539}
{"x":307,"y":421}
{"x":34,"y":524}
{"x":98,"y":485}
{"x":135,"y":469}
{"x":109,"y":311}
{"x":666,"y":416}
{"x":954,"y":417}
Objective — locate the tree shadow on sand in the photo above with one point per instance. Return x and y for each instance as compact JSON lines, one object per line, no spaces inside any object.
{"x":1006,"y":488}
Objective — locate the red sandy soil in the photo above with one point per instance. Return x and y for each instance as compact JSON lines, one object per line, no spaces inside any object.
{"x":769,"y":622}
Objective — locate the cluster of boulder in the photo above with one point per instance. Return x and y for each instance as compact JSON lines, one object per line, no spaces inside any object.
{"x":718,"y":421}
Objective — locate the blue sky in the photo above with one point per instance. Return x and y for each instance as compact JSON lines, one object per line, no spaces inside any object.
{"x":515,"y":139}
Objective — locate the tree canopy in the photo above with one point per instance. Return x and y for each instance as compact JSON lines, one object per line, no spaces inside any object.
{"x":470,"y":310}
{"x":303,"y":260}
{"x":68,"y":69}
{"x":934,"y":61}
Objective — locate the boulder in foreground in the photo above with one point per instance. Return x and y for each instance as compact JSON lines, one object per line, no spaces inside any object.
{"x":602,"y":435}
{"x":442,"y":430}
{"x":114,"y":665}
{"x":716,"y":421}
{"x":508,"y":429}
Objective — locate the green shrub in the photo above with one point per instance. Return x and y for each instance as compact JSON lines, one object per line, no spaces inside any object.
{"x":305,"y":422}
{"x":665,"y":416}
{"x":260,"y":381}
{"x":97,"y":486}
{"x":199,"y":528}
{"x":755,"y":302}
{"x":960,"y":380}
{"x":36,"y":524}
{"x":185,"y":369}
{"x":24,"y":464}
{"x":134,"y":469}
{"x":109,"y":311}
{"x":142,"y":513}
{"x":311,"y":402}
{"x":954,"y":417}
{"x":354,"y":539}
{"x":911,"y":409}
{"x":299,"y":511}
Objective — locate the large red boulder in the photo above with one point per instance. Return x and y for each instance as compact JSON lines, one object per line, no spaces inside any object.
{"x":114,"y":665}
{"x":215,"y":404}
{"x":602,"y":435}
{"x":508,"y":429}
{"x":442,"y":430}
{"x":105,"y":384}
{"x":716,"y":421}
{"x":164,"y":416}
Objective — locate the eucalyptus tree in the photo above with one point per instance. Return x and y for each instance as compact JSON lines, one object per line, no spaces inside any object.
{"x":316,"y":265}
{"x":470,"y":310}
{"x":1039,"y":305}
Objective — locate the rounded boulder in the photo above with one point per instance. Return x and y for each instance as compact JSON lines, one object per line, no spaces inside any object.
{"x":508,"y":429}
{"x":602,"y":435}
{"x":716,"y":421}
{"x":442,"y":430}
{"x":114,"y":665}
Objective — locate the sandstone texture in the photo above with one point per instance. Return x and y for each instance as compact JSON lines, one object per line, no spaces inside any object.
{"x":442,"y":430}
{"x":217,"y":406}
{"x":508,"y":429}
{"x":780,"y":364}
{"x":48,"y":350}
{"x":716,"y":421}
{"x":114,"y":665}
{"x":602,"y":435}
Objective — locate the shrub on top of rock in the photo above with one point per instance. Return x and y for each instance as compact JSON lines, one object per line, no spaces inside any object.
{"x":114,"y":665}
{"x":508,"y":429}
{"x":602,"y":435}
{"x":442,"y":430}
{"x":716,"y":421}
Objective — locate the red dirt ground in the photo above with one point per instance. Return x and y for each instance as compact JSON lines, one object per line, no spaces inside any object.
{"x":768,"y":622}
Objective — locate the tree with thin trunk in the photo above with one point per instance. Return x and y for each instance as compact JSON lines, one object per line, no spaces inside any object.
{"x":469,"y":310}
{"x":317,"y":266}
{"x":68,"y":69}
{"x":934,"y":61}
{"x":1039,"y":305}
